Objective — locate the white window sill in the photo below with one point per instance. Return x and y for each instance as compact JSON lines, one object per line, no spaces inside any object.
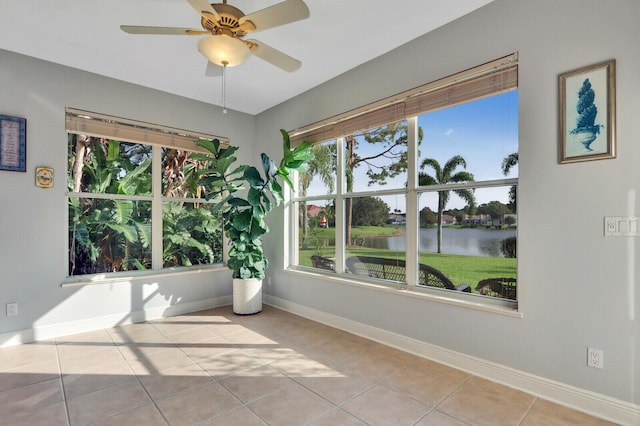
{"x":433,"y":295}
{"x":128,"y":276}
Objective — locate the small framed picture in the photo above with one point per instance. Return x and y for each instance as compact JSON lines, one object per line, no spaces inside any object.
{"x":13,"y":143}
{"x":587,"y":113}
{"x":44,"y":177}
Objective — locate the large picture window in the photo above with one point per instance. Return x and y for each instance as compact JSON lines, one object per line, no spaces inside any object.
{"x":136,"y":206}
{"x":427,"y":201}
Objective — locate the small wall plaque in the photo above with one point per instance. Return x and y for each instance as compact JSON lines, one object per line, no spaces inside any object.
{"x":44,"y":177}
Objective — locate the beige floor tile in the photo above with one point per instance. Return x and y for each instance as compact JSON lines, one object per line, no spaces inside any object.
{"x":270,"y":354}
{"x":304,"y":337}
{"x":157,"y":362}
{"x":197,"y":404}
{"x":225,"y":328}
{"x":249,"y":339}
{"x":22,"y":355}
{"x":30,"y":397}
{"x":549,"y":414}
{"x":44,"y":415}
{"x":291,"y":405}
{"x":338,"y":350}
{"x":175,"y":380}
{"x":255,"y":383}
{"x":229,"y":364}
{"x":287,"y":369}
{"x":147,"y":415}
{"x":91,"y":337}
{"x":482,"y":402}
{"x":436,"y":418}
{"x":240,"y":417}
{"x":190,"y":336}
{"x":335,"y":418}
{"x":85,"y":349}
{"x":429,"y":385}
{"x":372,"y":365}
{"x":383,"y":406}
{"x":174,"y":325}
{"x":105,"y":376}
{"x":29,"y":374}
{"x":106,"y":403}
{"x":337,"y":386}
{"x":82,"y":363}
{"x":139,"y":333}
{"x":204,"y":349}
{"x":303,"y":364}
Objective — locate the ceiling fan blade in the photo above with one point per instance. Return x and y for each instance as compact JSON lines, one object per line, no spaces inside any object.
{"x":133,"y":29}
{"x":274,"y":56}
{"x":213,"y":70}
{"x":205,"y":10}
{"x":278,"y":14}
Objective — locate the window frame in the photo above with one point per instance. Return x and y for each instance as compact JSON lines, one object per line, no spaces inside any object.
{"x":157,"y":137}
{"x":334,"y":128}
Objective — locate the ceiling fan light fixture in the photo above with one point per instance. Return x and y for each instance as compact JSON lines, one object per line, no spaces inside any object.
{"x":221,"y":49}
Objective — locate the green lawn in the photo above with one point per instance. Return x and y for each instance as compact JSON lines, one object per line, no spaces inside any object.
{"x":459,"y":268}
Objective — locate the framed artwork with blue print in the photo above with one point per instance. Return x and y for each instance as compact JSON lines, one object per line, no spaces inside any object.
{"x":587,"y":116}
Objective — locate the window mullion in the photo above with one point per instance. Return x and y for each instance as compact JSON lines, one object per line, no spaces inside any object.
{"x":156,"y":208}
{"x":412,"y":225}
{"x":339,"y":211}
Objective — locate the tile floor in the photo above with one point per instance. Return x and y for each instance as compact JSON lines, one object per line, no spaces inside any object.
{"x":275,"y":368}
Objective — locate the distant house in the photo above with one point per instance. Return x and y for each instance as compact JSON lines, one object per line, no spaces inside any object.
{"x":313,"y":210}
{"x":447,"y":219}
{"x":479,"y":220}
{"x":397,"y":218}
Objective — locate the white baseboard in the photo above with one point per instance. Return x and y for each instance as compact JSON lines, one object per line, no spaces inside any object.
{"x":592,"y":403}
{"x":37,"y":333}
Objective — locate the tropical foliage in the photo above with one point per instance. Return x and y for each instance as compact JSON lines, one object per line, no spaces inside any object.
{"x":247,"y":197}
{"x":111,"y":208}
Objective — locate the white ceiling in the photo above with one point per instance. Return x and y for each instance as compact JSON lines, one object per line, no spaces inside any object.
{"x":338,"y":36}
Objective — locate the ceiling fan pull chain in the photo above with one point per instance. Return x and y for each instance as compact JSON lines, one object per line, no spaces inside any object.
{"x":224,"y":86}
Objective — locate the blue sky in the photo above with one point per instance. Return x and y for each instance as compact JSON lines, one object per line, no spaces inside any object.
{"x":483,"y":132}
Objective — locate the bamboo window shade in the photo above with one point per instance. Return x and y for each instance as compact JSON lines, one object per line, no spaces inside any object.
{"x":492,"y":78}
{"x":125,"y":130}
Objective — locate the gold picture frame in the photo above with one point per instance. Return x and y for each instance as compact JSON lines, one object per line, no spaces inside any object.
{"x":587,"y":113}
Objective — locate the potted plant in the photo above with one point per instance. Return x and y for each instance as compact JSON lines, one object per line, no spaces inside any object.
{"x":247,"y":196}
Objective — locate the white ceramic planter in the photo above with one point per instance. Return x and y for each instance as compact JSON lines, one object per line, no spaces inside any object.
{"x":247,"y":296}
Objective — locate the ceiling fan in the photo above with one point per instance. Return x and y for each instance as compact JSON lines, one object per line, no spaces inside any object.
{"x":227,"y":27}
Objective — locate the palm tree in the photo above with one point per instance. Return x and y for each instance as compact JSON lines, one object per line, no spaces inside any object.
{"x":508,"y":163}
{"x":323,"y":166}
{"x":445,"y":175}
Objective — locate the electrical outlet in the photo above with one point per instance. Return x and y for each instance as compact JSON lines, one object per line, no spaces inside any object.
{"x":12,"y":309}
{"x":595,"y":358}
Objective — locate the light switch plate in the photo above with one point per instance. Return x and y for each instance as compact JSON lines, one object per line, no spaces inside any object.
{"x":621,"y":226}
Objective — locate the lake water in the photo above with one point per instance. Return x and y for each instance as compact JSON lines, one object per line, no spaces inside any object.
{"x":468,"y":241}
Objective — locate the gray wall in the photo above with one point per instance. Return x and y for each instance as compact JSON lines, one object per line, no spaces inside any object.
{"x":33,"y":221}
{"x":576,"y":288}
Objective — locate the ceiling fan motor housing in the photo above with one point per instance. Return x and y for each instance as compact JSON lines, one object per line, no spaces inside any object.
{"x":229,"y":20}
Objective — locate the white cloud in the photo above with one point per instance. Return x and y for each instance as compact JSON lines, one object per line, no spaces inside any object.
{"x":448,"y":132}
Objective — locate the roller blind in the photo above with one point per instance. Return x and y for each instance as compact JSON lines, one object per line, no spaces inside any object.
{"x":122,"y":129}
{"x":492,"y":78}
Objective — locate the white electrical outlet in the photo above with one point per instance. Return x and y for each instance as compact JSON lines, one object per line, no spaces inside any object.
{"x":12,"y":309}
{"x":595,"y":358}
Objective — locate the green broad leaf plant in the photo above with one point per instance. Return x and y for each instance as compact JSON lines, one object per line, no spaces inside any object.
{"x":247,"y":196}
